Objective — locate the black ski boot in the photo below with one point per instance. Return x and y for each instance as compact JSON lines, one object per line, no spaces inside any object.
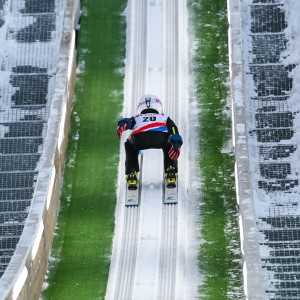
{"x":132,"y":180}
{"x":171,"y":177}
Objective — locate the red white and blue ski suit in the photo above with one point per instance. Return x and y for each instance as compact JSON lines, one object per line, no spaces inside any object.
{"x":150,"y":130}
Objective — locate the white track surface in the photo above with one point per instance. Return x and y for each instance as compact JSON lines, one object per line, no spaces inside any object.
{"x":155,"y":248}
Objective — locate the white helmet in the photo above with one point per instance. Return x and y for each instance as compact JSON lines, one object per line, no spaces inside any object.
{"x":150,"y":102}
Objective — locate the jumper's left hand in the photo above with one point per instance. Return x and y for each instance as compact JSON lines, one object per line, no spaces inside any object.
{"x":176,"y":142}
{"x":174,"y":151}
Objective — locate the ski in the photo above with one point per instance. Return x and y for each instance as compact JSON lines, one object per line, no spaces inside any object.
{"x":132,"y":197}
{"x":170,"y":193}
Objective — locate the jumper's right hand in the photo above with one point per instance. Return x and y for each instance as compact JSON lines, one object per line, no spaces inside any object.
{"x":176,"y":142}
{"x":122,"y":126}
{"x":174,"y":151}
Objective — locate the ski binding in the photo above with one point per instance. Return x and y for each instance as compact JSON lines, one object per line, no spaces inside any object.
{"x":133,"y":192}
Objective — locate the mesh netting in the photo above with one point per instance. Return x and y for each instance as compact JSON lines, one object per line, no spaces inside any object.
{"x":28,"y":72}
{"x":272,"y":150}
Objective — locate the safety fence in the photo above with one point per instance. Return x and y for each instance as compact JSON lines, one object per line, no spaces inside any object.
{"x":263,"y":90}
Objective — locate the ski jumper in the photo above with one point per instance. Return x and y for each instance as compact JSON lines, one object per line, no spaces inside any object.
{"x":149,"y":131}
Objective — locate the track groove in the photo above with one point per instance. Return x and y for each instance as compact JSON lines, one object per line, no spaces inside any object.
{"x":168,"y":254}
{"x":139,"y":51}
{"x":125,"y":271}
{"x":129,"y":250}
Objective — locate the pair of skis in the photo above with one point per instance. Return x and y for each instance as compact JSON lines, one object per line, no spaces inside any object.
{"x":133,"y":197}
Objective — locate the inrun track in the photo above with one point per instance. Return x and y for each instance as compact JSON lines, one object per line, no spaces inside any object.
{"x":149,"y":253}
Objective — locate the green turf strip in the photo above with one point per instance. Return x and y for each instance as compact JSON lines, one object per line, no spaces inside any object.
{"x":219,"y":255}
{"x":82,"y":246}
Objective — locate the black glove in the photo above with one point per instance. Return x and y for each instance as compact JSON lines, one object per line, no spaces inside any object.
{"x":176,"y":142}
{"x":122,"y":126}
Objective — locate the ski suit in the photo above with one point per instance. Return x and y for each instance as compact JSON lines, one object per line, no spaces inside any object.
{"x":149,"y":131}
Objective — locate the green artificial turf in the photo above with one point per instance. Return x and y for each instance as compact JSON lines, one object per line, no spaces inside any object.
{"x":80,"y":258}
{"x":219,"y":255}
